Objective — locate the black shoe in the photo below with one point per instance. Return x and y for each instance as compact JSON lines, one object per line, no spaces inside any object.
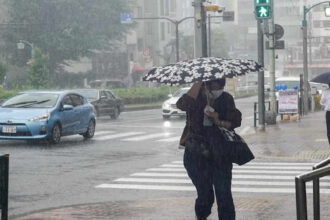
{"x":201,"y":218}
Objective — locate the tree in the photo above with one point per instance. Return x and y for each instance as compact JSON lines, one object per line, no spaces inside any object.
{"x":3,"y":71}
{"x":219,"y":45}
{"x":38,"y":74}
{"x":65,"y":29}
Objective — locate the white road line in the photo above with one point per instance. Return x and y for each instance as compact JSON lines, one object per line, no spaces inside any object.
{"x":270,"y":177}
{"x":147,"y":137}
{"x":321,"y":140}
{"x":244,"y":130}
{"x":252,"y":167}
{"x":267,"y":164}
{"x":192,"y":188}
{"x":234,"y":171}
{"x":103,"y":132}
{"x":172,"y":139}
{"x":126,"y":134}
{"x":234,"y":182}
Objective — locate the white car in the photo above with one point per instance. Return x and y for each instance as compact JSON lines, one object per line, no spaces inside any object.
{"x":169,"y":106}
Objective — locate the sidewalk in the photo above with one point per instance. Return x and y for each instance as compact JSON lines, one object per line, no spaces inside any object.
{"x":303,"y":140}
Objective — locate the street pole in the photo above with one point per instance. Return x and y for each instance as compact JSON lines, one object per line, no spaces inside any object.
{"x":305,"y":61}
{"x":272,"y":63}
{"x":177,"y":40}
{"x":209,"y":19}
{"x":204,"y":30}
{"x":261,"y":86}
{"x":198,"y":28}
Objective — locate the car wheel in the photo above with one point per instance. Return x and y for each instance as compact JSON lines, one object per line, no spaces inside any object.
{"x":115,"y":113}
{"x":165,"y":117}
{"x":90,"y":130}
{"x":55,"y":137}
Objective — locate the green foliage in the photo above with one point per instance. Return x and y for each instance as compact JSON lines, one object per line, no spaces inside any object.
{"x":38,"y":75}
{"x":3,"y":71}
{"x":7,"y":94}
{"x":64,"y":29}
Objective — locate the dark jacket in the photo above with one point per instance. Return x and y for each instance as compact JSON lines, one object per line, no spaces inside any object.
{"x":224,"y":105}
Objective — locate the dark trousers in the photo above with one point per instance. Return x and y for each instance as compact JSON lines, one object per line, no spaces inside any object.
{"x":327,"y":117}
{"x":204,"y":176}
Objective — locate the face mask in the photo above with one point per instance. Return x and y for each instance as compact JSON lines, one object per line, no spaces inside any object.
{"x":214,"y":94}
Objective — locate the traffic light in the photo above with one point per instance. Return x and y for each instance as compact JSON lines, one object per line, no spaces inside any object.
{"x":263,"y":9}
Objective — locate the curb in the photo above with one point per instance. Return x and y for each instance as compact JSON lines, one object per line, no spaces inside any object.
{"x":129,"y":109}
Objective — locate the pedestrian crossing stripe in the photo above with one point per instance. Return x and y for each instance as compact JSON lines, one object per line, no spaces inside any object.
{"x":255,"y":177}
{"x":120,"y":135}
{"x":99,"y":133}
{"x":147,"y":137}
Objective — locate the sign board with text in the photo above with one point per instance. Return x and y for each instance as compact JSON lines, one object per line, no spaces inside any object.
{"x":288,"y":102}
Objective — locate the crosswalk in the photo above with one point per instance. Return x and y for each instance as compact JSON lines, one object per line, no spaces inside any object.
{"x":140,"y":135}
{"x":255,"y":177}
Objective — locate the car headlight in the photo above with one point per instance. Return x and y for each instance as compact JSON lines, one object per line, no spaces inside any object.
{"x":166,"y":105}
{"x":44,"y":117}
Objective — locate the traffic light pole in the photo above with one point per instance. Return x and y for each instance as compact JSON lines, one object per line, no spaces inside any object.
{"x":261,"y":84}
{"x":204,"y":29}
{"x":273,"y":107}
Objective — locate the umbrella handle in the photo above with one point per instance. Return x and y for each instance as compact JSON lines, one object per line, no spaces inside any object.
{"x":207,"y":94}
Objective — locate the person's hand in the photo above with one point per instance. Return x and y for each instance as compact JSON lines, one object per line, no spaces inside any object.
{"x":194,"y":90}
{"x":213,"y":115}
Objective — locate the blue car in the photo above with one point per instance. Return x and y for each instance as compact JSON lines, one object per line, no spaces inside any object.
{"x":36,"y":115}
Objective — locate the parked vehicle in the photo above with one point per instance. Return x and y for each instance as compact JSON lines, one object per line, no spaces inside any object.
{"x":106,"y":83}
{"x":104,"y":101}
{"x":35,"y":115}
{"x":169,"y":106}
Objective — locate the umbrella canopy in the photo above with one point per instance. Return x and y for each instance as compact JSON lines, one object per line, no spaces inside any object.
{"x":322,"y":78}
{"x":201,"y":69}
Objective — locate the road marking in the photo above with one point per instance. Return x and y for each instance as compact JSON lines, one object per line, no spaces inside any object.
{"x":98,"y":133}
{"x":147,"y":137}
{"x":267,"y":164}
{"x":126,"y":134}
{"x":252,"y":167}
{"x":234,"y":182}
{"x":321,"y":140}
{"x":234,"y":171}
{"x":172,"y":139}
{"x":192,"y":188}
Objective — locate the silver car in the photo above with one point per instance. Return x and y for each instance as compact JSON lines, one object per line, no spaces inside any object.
{"x":169,"y":106}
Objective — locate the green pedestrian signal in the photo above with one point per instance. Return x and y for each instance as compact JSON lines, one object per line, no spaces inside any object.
{"x":262,"y":11}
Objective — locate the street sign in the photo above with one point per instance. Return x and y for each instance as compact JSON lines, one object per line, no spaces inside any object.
{"x":212,"y":8}
{"x":279,"y":45}
{"x":125,"y":18}
{"x":228,"y":16}
{"x":279,"y":32}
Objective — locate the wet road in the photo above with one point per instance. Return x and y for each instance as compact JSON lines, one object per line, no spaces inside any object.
{"x":43,"y":177}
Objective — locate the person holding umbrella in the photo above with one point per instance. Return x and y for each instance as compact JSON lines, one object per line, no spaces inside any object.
{"x":325,"y":101}
{"x":211,"y":145}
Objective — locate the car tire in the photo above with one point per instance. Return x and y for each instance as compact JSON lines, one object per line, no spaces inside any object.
{"x":166,"y":117}
{"x":90,"y":130}
{"x":115,"y":113}
{"x":55,"y":136}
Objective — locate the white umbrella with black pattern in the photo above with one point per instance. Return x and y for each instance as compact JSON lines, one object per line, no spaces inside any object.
{"x":201,"y":69}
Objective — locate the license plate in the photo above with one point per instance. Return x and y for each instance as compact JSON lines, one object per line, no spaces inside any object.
{"x":9,"y":129}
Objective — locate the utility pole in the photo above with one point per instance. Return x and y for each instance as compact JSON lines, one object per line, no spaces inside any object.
{"x":261,"y":79}
{"x":198,"y":30}
{"x":272,"y":61}
{"x":204,"y":30}
{"x":209,"y":40}
{"x":305,"y":61}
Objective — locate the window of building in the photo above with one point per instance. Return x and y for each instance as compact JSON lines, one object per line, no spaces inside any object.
{"x":162,"y":30}
{"x":316,"y":24}
{"x":168,"y":27}
{"x":148,"y":28}
{"x":148,"y":6}
{"x":173,"y":5}
{"x":167,"y":7}
{"x":326,"y":23}
{"x":161,"y":5}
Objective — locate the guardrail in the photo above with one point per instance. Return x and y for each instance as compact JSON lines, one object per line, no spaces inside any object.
{"x":4,"y":174}
{"x":319,"y":170}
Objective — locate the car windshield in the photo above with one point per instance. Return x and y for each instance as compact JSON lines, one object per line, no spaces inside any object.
{"x":289,"y":84}
{"x":90,"y":94}
{"x":31,"y":100}
{"x":180,"y":92}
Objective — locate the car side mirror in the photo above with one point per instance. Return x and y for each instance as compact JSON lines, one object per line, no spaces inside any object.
{"x":170,"y":95}
{"x":103,"y":97}
{"x":67,"y":107}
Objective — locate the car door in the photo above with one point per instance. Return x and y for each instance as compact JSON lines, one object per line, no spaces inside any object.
{"x":79,"y":113}
{"x":67,"y":119}
{"x":111,"y":101}
{"x":103,"y":103}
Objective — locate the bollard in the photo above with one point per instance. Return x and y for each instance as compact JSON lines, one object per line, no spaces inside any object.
{"x":4,"y":174}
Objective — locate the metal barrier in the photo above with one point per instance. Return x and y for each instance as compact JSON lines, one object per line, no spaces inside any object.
{"x":4,"y":174}
{"x":319,"y":170}
{"x":256,"y":112}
